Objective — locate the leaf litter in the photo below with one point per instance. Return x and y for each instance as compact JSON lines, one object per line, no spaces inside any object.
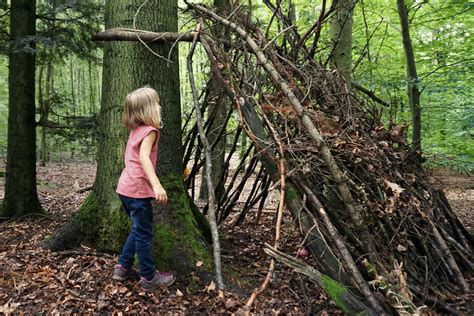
{"x":34,"y":280}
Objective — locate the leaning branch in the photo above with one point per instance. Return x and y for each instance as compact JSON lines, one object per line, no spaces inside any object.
{"x":207,"y":152}
{"x":370,"y":94}
{"x":347,"y":301}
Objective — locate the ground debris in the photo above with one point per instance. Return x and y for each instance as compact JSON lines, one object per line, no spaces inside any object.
{"x":35,"y":280}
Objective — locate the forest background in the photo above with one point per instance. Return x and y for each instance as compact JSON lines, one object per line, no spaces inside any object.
{"x":69,"y":97}
{"x":68,"y":72}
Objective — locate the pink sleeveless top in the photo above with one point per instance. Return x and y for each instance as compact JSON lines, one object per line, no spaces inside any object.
{"x":133,"y":182}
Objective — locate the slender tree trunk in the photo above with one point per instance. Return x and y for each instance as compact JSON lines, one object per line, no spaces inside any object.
{"x":20,"y":187}
{"x":412,"y":76}
{"x":341,"y":34}
{"x":91,"y":89}
{"x":45,"y":106}
{"x":41,"y":101}
{"x":73,"y":87}
{"x":218,"y":107}
{"x":179,"y":242}
{"x":243,"y":145}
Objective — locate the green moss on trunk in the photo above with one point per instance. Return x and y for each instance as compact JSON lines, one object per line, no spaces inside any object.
{"x":178,"y":242}
{"x":87,"y":218}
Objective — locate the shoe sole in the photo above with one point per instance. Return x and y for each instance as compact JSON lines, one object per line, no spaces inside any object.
{"x":154,"y":288}
{"x":118,"y":278}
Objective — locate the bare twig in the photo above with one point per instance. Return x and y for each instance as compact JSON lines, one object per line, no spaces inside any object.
{"x":142,"y":41}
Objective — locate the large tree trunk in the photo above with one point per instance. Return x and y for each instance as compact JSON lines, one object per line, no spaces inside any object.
{"x":20,"y":187}
{"x":341,"y":34}
{"x":178,"y":242}
{"x":412,"y":77}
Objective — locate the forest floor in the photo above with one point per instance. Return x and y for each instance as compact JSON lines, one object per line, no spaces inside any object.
{"x":33,"y":280}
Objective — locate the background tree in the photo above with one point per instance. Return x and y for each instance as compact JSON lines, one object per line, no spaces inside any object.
{"x":68,"y":66}
{"x":218,"y":109}
{"x":412,"y":76}
{"x":128,"y":66}
{"x":20,"y":187}
{"x":341,"y":36}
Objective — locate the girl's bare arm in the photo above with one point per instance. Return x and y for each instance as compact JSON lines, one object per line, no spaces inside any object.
{"x":144,"y":157}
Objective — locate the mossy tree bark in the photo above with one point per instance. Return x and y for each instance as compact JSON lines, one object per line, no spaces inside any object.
{"x":20,"y":187}
{"x":179,"y":241}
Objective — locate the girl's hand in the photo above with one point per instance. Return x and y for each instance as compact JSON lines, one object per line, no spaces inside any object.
{"x":160,"y":194}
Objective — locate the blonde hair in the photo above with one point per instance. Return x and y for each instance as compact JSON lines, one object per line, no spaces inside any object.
{"x":142,"y":107}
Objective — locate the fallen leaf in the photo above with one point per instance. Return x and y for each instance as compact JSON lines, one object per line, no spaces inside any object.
{"x":211,"y":286}
{"x":396,"y":189}
{"x":383,"y":143}
{"x":179,"y":293}
{"x":401,"y":248}
{"x":199,"y":263}
{"x":122,"y":290}
{"x":8,"y":308}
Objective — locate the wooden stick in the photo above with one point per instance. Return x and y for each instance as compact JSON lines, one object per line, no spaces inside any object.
{"x":344,"y":299}
{"x":117,"y":34}
{"x":344,"y":252}
{"x":354,"y":212}
{"x":449,"y":258}
{"x":208,"y":169}
{"x":370,"y":94}
{"x":281,"y":207}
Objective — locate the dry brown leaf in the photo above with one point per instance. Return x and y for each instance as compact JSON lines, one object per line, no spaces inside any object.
{"x":9,"y":308}
{"x":396,"y":189}
{"x":211,"y":286}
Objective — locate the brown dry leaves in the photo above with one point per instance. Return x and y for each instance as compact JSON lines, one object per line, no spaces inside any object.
{"x":38,"y":281}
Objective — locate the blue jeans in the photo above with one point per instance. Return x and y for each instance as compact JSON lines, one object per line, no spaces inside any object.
{"x":140,"y":239}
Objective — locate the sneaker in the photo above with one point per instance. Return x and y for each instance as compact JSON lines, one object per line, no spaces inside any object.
{"x":160,"y":278}
{"x":122,"y":274}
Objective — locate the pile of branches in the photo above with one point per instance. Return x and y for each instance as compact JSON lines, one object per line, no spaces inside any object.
{"x":387,"y":241}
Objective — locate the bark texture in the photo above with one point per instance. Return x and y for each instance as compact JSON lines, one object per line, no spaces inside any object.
{"x":20,"y":187}
{"x":218,"y":108}
{"x":341,"y":34}
{"x":179,"y":242}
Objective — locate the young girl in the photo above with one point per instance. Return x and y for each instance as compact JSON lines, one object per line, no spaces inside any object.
{"x":138,"y":186}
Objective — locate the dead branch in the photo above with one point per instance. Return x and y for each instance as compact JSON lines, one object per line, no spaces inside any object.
{"x":131,"y":35}
{"x":339,"y":178}
{"x":348,"y":302}
{"x":210,"y":186}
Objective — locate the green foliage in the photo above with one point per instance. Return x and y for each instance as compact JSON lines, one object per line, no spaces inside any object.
{"x":70,"y":95}
{"x":4,"y":26}
{"x":441,"y":33}
{"x":443,"y":44}
{"x":64,"y":27}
